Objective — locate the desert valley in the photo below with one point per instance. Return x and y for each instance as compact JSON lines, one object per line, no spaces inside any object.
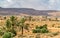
{"x":29,"y":23}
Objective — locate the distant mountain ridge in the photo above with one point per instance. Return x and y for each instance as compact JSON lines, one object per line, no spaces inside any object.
{"x":29,"y":11}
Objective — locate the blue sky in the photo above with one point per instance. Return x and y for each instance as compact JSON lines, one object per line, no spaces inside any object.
{"x":36,"y":4}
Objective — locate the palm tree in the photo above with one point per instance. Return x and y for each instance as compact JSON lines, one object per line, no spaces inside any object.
{"x":56,"y":19}
{"x":30,"y":18}
{"x":13,"y":20}
{"x":8,"y":25}
{"x":22,"y":25}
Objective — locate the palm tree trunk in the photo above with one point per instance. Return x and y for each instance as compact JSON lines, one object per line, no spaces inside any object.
{"x":22,"y":32}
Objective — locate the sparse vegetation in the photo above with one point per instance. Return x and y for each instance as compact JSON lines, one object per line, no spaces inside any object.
{"x":18,"y":26}
{"x":55,"y":33}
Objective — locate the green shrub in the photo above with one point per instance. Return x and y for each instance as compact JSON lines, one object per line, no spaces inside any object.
{"x":58,"y":26}
{"x":7,"y":35}
{"x":41,"y":29}
{"x":44,"y":30}
{"x":36,"y":31}
{"x":55,"y":33}
{"x":33,"y":19}
{"x":38,"y":35}
{"x":1,"y":32}
{"x":13,"y":32}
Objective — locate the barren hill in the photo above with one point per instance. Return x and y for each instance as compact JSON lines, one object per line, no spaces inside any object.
{"x":29,"y":11}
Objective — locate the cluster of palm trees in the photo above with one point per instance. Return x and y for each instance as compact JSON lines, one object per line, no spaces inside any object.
{"x":13,"y":23}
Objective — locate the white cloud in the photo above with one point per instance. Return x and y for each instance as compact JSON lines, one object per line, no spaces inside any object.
{"x":36,"y":4}
{"x":54,"y":4}
{"x":9,"y":0}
